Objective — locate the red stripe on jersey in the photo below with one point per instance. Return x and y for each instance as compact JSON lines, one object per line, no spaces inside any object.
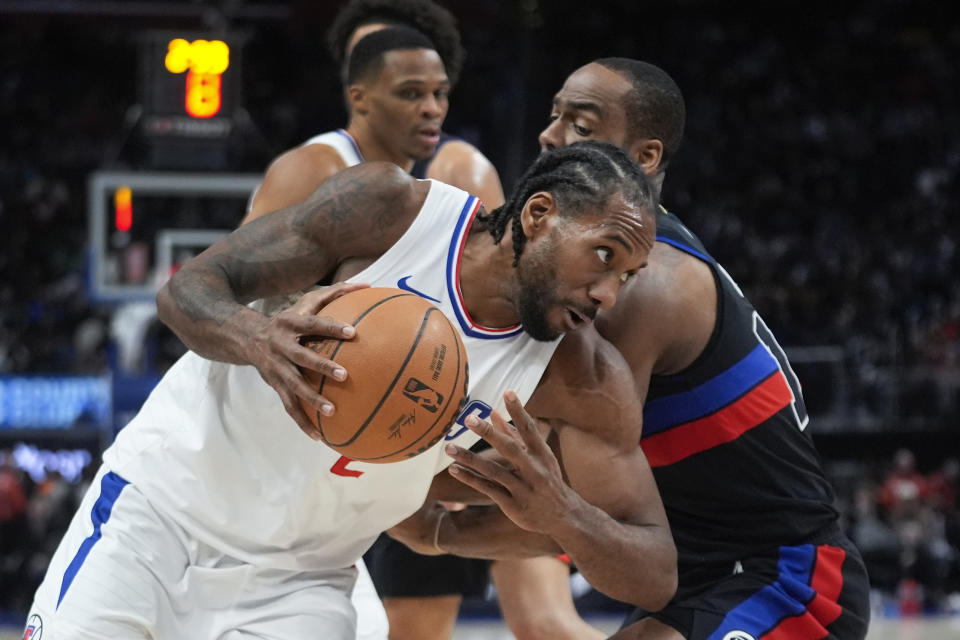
{"x":729,"y":423}
{"x":827,"y":582}
{"x":456,"y":280}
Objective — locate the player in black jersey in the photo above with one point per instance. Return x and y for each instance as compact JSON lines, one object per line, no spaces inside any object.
{"x":760,"y":551}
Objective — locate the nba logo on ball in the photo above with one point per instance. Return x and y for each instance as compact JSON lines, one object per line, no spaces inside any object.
{"x":423,"y":395}
{"x":34,"y":630}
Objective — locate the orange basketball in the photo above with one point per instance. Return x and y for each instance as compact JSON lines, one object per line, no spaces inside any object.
{"x":407,"y":376}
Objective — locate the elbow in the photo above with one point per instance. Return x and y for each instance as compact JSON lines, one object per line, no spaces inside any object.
{"x":664,"y":584}
{"x":663,"y":592}
{"x":164,"y":303}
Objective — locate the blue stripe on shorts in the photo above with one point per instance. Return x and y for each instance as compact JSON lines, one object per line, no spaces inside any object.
{"x":110,"y":488}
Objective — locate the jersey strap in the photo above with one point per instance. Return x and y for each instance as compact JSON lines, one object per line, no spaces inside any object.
{"x":454,"y":255}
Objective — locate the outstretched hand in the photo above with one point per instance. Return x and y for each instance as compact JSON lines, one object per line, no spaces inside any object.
{"x":528,"y":484}
{"x":280,"y":352}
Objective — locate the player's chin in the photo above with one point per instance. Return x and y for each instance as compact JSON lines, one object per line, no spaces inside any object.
{"x":423,"y":151}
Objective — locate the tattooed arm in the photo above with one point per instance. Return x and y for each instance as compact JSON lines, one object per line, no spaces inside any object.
{"x":359,"y":213}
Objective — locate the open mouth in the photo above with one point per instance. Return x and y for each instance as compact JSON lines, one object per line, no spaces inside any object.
{"x":575,"y":319}
{"x":429,"y":135}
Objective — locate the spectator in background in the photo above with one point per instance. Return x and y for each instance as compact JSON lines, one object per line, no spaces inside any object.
{"x":903,"y":487}
{"x":14,"y":535}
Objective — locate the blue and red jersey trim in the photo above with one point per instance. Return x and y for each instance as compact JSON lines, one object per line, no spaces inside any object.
{"x":454,"y":257}
{"x":799,"y":605}
{"x":353,"y":143}
{"x":718,"y":411}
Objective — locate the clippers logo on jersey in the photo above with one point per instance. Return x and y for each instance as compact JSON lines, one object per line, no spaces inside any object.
{"x":473,"y":407}
{"x":423,"y":395}
{"x":34,"y":630}
{"x":738,"y":635}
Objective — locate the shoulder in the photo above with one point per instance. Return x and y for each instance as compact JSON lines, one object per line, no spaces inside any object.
{"x":310,"y":162}
{"x":294,"y":175}
{"x":458,"y":154}
{"x":589,"y":383}
{"x":462,"y":165}
{"x":374,"y":198}
{"x":384,"y":181}
{"x":665,"y":316}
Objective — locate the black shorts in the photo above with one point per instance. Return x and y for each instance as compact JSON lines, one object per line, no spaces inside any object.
{"x":808,"y":591}
{"x":398,"y":572}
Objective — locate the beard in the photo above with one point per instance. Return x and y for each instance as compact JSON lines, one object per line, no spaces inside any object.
{"x":537,"y":278}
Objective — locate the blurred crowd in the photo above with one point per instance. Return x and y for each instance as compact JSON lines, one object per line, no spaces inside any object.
{"x":907,"y":525}
{"x":35,"y":510}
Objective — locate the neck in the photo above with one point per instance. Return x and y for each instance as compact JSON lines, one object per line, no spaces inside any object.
{"x":373,"y":148}
{"x":487,"y":278}
{"x":657,"y":180}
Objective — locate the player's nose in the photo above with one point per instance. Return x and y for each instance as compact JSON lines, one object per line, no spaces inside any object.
{"x":432,"y":107}
{"x":604,"y":292}
{"x":549,"y":138}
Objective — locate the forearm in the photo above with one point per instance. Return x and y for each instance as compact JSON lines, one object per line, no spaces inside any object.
{"x":205,"y":314}
{"x":485,"y":532}
{"x":635,"y":563}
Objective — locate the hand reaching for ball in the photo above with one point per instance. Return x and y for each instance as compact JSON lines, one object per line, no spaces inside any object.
{"x":280,"y":351}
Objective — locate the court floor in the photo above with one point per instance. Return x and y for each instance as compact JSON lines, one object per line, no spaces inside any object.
{"x":947,"y":628}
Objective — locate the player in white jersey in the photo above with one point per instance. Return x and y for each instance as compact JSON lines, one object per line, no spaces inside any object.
{"x":396,"y":84}
{"x":422,"y":594}
{"x":397,"y":94}
{"x":213,"y":517}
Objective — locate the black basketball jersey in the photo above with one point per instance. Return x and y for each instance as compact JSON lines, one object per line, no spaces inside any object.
{"x":726,"y":437}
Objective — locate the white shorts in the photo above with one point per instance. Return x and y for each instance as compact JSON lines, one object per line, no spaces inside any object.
{"x":124,"y":570}
{"x":372,"y":623}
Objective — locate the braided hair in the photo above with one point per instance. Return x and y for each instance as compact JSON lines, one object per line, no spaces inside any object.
{"x":581,"y":177}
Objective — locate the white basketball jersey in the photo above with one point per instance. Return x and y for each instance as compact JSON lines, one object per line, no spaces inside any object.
{"x":342,"y":142}
{"x":214,"y":448}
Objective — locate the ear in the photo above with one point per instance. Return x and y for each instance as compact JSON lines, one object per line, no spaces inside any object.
{"x":536,"y":211}
{"x":647,"y":152}
{"x":357,"y":98}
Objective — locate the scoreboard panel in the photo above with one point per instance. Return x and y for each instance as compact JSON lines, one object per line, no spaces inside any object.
{"x":189,"y":86}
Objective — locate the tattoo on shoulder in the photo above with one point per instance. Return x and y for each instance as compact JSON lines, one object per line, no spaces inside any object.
{"x":349,"y":208}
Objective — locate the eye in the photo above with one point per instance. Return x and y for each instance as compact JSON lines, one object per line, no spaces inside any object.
{"x":553,"y":117}
{"x":442,"y":94}
{"x":626,"y":276}
{"x":582,"y":131}
{"x":409,"y":94}
{"x":605,"y":254}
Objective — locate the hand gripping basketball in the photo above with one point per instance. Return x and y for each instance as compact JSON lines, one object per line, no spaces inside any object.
{"x":408,"y":376}
{"x":279,"y":354}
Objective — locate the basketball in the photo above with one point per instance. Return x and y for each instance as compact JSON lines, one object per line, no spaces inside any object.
{"x":407,"y":376}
